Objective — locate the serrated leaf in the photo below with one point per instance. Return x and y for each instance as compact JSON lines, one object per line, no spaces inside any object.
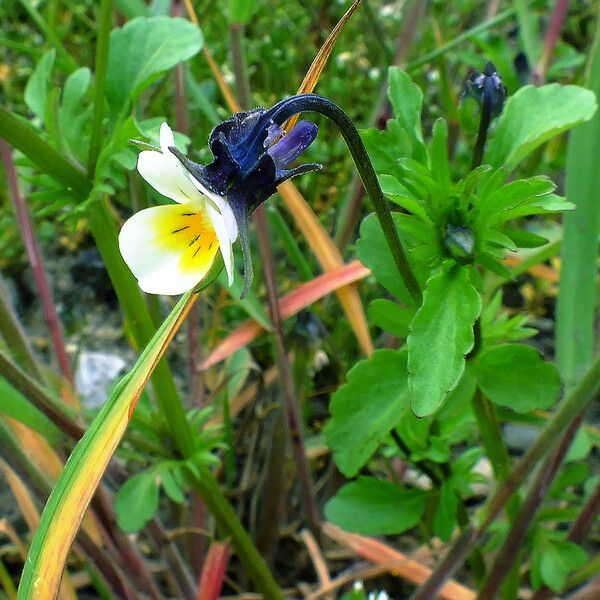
{"x":365,"y":409}
{"x":534,"y":115}
{"x":38,"y":84}
{"x":373,"y":507}
{"x":440,"y":335}
{"x":515,"y":376}
{"x":406,"y":98}
{"x":136,"y":501}
{"x":386,"y":147}
{"x":142,"y":50}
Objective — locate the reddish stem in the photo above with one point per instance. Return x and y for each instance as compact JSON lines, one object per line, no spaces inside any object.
{"x":35,"y":260}
{"x":559,"y":14}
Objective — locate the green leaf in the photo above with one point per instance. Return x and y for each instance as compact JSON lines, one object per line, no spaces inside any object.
{"x":16,"y":406}
{"x":386,"y":147}
{"x":365,"y":409}
{"x":240,"y":11}
{"x":440,"y":335}
{"x":557,"y":559}
{"x":38,"y":84}
{"x":72,"y":117}
{"x":171,"y":479}
{"x":142,"y":50}
{"x":440,"y":164}
{"x":373,"y":251}
{"x":390,"y":317}
{"x":532,"y":116}
{"x":444,"y":518}
{"x":372,"y":507}
{"x":136,"y":502}
{"x":407,"y":99}
{"x":515,"y":376}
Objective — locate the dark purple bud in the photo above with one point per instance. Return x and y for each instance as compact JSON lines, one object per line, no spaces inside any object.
{"x":288,"y":148}
{"x":487,"y":89}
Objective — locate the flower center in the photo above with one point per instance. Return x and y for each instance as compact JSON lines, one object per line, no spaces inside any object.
{"x":188,"y":232}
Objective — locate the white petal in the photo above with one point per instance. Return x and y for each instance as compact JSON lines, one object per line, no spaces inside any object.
{"x":166,"y":139}
{"x":164,"y":256}
{"x":219,"y":203}
{"x":167,"y":176}
{"x":224,"y":233}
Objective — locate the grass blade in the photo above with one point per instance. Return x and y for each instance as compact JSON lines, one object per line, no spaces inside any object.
{"x":78,"y":482}
{"x":577,"y":299}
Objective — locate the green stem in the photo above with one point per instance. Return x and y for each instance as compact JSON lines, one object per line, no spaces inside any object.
{"x":7,"y":583}
{"x":15,"y":337}
{"x":459,"y":39}
{"x":37,"y":18}
{"x":106,"y":8}
{"x":19,"y":134}
{"x":497,"y":452}
{"x":491,"y":435}
{"x":254,"y":564}
{"x":40,"y":397}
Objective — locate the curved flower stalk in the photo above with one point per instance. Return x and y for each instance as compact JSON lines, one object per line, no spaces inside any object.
{"x":170,"y":248}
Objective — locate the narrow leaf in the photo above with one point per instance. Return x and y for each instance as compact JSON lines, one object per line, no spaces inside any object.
{"x":576,"y":308}
{"x":79,"y":480}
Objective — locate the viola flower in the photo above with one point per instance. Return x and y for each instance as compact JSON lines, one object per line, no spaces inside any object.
{"x":171,"y":248}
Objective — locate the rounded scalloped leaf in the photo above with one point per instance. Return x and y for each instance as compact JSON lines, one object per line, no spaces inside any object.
{"x":365,"y":409}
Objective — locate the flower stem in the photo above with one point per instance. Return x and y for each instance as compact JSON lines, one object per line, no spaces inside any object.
{"x":106,"y":7}
{"x":315,"y":103}
{"x":484,"y":125}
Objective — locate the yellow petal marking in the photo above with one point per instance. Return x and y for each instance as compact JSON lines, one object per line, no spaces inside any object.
{"x":188,"y":231}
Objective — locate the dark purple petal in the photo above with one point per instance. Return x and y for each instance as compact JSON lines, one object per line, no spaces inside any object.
{"x":290,"y":146}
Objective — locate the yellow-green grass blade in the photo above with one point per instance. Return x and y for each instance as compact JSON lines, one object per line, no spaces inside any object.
{"x":77,"y":483}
